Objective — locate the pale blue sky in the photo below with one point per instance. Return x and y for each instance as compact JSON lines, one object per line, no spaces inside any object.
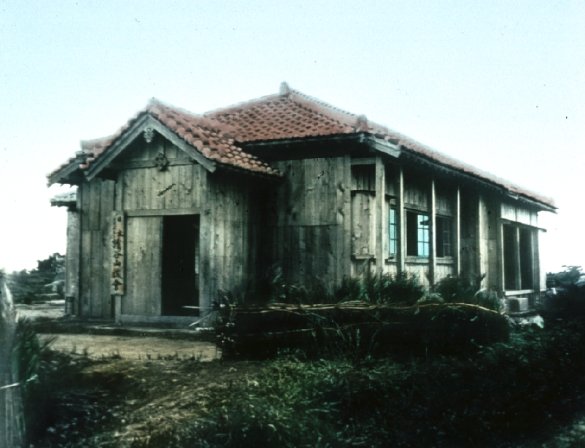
{"x":497,"y":84}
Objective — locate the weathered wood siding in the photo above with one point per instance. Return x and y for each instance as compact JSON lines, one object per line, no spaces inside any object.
{"x":489,"y":227}
{"x":469,"y":235}
{"x":364,"y":212}
{"x":96,"y":199}
{"x":522,"y":215}
{"x":145,"y":194}
{"x":142,"y":186}
{"x":72,"y":259}
{"x":311,"y":224}
{"x":228,"y":233}
{"x":143,"y":266}
{"x":417,"y":191}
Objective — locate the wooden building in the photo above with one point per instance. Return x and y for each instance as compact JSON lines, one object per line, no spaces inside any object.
{"x":176,"y":207}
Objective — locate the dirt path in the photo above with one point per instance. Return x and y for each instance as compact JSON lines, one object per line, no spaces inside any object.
{"x":131,"y":347}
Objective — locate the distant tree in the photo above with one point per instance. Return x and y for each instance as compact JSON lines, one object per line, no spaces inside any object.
{"x":36,"y":284}
{"x":564,"y":278}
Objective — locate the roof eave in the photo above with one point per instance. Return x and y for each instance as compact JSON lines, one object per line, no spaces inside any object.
{"x":541,"y":205}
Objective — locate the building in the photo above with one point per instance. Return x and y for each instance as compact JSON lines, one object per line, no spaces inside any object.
{"x":176,"y":207}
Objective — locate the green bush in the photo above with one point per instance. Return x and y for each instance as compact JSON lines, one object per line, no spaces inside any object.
{"x":455,"y":289}
{"x":28,"y":353}
{"x":402,"y":288}
{"x":503,"y":395}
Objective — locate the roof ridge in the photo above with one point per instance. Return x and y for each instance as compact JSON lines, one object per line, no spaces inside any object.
{"x":208,"y":123}
{"x":224,"y":110}
{"x":358,"y":121}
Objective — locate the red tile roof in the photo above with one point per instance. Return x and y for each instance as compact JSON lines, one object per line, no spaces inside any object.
{"x":294,"y":115}
{"x":289,"y":115}
{"x":210,"y":137}
{"x":218,"y":135}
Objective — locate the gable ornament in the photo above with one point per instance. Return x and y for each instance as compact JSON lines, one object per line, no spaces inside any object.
{"x":148,"y":134}
{"x":161,"y":161}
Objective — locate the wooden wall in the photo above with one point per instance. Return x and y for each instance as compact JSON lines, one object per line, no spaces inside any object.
{"x":311,"y":220}
{"x":229,"y":229}
{"x":96,"y":199}
{"x":145,"y":194}
{"x":325,"y":221}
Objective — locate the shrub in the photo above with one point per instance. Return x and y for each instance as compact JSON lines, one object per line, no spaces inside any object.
{"x":28,"y":353}
{"x":402,"y":288}
{"x":455,"y":289}
{"x":505,"y":394}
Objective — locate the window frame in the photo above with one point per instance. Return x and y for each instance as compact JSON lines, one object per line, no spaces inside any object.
{"x":393,"y":237}
{"x":418,"y":235}
{"x":443,"y":236}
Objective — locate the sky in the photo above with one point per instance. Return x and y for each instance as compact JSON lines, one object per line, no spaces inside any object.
{"x":498,"y":84}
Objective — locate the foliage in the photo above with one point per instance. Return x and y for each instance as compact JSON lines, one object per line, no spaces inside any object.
{"x":566,"y":296}
{"x":567,"y":277}
{"x":456,"y":289}
{"x":46,"y":279}
{"x":401,"y":288}
{"x":27,"y":354}
{"x":430,"y":401}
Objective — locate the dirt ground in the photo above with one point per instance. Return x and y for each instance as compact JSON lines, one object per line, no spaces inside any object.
{"x":118,"y":402}
{"x":132,"y":347}
{"x":99,"y":346}
{"x":112,"y":389}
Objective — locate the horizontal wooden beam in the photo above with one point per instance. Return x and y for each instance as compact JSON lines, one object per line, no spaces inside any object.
{"x":162,"y":212}
{"x":138,"y":164}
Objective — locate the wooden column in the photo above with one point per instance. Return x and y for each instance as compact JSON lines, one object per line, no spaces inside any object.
{"x":432,"y":233}
{"x":401,"y":215}
{"x":500,"y":255}
{"x":481,"y":241}
{"x":381,"y":216}
{"x":517,"y":259}
{"x":457,"y":245}
{"x":535,"y":266}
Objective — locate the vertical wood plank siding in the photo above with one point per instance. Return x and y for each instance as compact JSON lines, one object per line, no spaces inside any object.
{"x":97,"y":202}
{"x":313,"y":209}
{"x":325,"y":221}
{"x":222,"y":200}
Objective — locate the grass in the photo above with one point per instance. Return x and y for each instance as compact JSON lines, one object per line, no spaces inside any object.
{"x":506,"y":394}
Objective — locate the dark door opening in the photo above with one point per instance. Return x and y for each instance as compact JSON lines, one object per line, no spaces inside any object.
{"x":179,"y":265}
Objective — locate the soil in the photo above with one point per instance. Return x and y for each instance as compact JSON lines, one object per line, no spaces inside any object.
{"x":113,"y":390}
{"x":112,"y":385}
{"x":132,"y":347}
{"x":117,"y":402}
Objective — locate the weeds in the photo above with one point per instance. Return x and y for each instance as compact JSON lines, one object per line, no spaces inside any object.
{"x":503,"y":395}
{"x":454,"y":289}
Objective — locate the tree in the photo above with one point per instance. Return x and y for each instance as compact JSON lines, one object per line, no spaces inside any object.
{"x":569,"y":276}
{"x":45,"y":280}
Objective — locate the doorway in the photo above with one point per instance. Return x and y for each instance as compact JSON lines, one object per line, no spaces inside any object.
{"x":180,"y":290}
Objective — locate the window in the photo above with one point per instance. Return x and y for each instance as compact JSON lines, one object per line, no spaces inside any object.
{"x":417,"y":234}
{"x":392,"y":233}
{"x":444,"y":235}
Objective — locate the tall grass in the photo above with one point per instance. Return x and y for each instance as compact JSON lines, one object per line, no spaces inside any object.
{"x":503,"y":395}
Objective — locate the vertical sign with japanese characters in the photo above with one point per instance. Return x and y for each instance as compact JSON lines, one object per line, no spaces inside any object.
{"x":118,"y":234}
